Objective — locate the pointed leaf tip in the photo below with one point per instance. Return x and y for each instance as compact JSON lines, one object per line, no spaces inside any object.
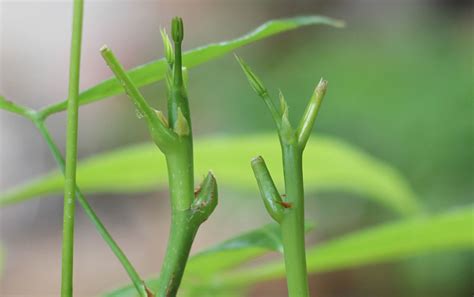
{"x":168,"y":48}
{"x":254,"y":81}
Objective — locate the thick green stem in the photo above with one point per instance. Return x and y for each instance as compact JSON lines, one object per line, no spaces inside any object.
{"x":71,"y":152}
{"x":181,"y":238}
{"x":182,"y":231}
{"x":292,"y":224}
{"x":132,"y":273}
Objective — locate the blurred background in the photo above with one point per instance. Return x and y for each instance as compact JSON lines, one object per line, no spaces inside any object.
{"x":401,"y":88}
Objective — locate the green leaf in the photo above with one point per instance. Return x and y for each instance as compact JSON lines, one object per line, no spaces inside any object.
{"x":237,"y":250}
{"x":154,"y":71}
{"x":329,"y":165}
{"x":228,"y":254}
{"x":450,"y":231}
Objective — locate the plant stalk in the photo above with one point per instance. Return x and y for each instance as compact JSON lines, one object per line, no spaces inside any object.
{"x":183,"y":230}
{"x":131,"y":271}
{"x":292,"y":224}
{"x":71,"y":152}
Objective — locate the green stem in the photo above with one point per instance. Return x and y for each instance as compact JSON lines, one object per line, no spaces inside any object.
{"x":181,"y":238}
{"x":292,"y":224}
{"x":180,"y":164}
{"x":182,"y":231}
{"x":71,"y":152}
{"x":132,"y":273}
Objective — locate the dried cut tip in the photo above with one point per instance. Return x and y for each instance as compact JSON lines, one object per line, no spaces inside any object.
{"x":104,"y":48}
{"x":177,"y":29}
{"x":254,"y":81}
{"x":257,"y":160}
{"x":322,"y":87}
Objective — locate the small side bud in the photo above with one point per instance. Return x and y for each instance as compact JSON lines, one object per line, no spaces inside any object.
{"x":168,"y":48}
{"x":206,"y":198}
{"x":177,"y":29}
{"x":254,"y":81}
{"x":283,"y":104}
{"x":162,"y":118}
{"x":181,"y":126}
{"x":268,"y":191}
{"x":287,"y":132}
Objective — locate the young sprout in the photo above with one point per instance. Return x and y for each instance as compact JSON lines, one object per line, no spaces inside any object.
{"x":173,"y":135}
{"x":289,"y":213}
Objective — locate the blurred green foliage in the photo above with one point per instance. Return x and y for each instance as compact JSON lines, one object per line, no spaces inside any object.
{"x":406,"y":97}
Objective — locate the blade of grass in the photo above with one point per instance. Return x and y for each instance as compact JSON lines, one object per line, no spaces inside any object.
{"x":156,"y":70}
{"x":138,"y":168}
{"x":131,"y":271}
{"x":32,"y":115}
{"x":389,"y":242}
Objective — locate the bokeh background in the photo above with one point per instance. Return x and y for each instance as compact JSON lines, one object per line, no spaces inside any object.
{"x":401,"y":88}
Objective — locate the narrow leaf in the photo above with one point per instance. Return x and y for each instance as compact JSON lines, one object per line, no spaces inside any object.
{"x":451,"y":231}
{"x":447,"y":232}
{"x":154,"y":71}
{"x":330,"y":165}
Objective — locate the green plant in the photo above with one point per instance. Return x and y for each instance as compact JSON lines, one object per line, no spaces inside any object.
{"x":217,"y":271}
{"x":173,"y":136}
{"x":288,"y":209}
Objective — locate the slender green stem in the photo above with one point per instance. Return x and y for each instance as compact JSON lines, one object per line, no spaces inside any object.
{"x":132,"y":273}
{"x":181,"y":238}
{"x":292,"y":224}
{"x":71,"y":152}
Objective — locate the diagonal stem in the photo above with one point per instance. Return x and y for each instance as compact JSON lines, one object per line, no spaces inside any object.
{"x":132,"y":273}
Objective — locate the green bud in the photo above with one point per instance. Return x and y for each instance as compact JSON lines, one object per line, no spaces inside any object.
{"x":283,"y":104}
{"x":181,"y":126}
{"x":206,"y":197}
{"x":177,"y":29}
{"x":254,"y":81}
{"x":168,"y":48}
